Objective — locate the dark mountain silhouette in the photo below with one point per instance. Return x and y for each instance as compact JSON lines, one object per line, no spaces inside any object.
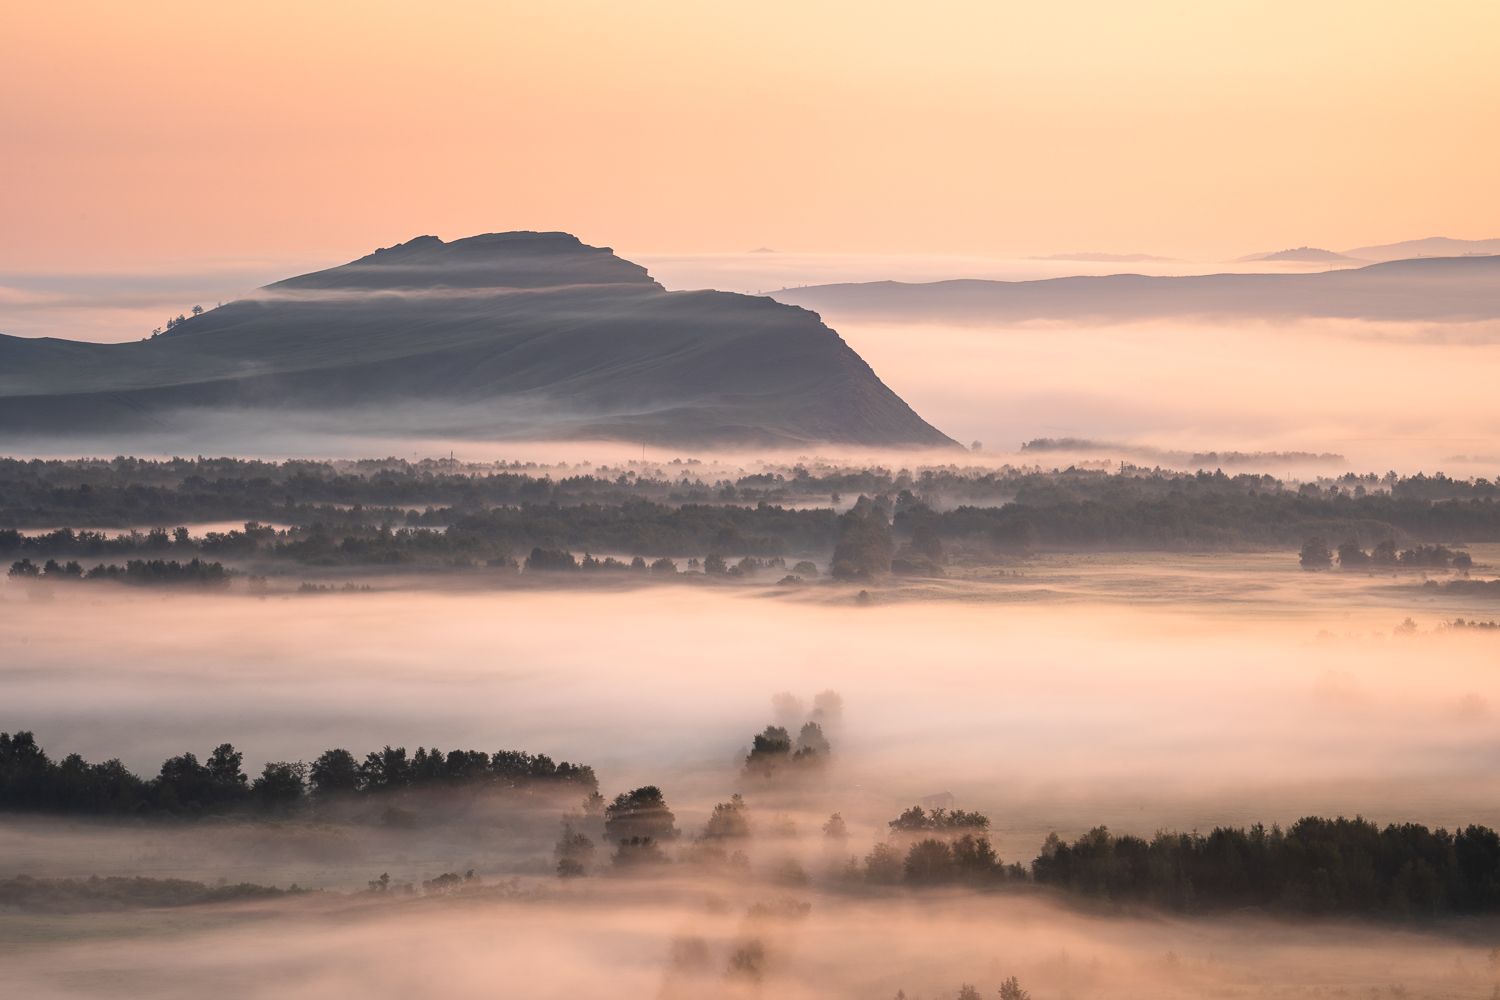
{"x":1439,"y":288}
{"x":504,"y":335}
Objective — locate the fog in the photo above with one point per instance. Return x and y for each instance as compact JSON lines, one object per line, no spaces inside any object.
{"x":1384,"y":395}
{"x":1161,"y":691}
{"x":1141,"y":692}
{"x":678,"y":939}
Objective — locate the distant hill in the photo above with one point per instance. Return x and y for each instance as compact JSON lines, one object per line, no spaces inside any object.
{"x":1309,"y":255}
{"x":506,"y":335}
{"x":1432,"y":246}
{"x":1445,"y":288}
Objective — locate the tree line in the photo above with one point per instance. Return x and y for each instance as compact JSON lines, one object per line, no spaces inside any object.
{"x":141,"y":572}
{"x":1315,"y":554}
{"x":31,"y":781}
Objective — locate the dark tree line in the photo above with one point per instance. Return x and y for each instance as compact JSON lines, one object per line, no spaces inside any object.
{"x":31,"y":781}
{"x":1314,"y":867}
{"x":440,"y":513}
{"x":143,"y":572}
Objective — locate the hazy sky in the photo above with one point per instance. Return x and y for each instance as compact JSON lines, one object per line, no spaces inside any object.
{"x":148,"y":134}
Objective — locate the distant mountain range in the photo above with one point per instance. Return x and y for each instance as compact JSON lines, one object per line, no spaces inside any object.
{"x":506,"y":335}
{"x":1438,"y":288}
{"x":1432,"y":246}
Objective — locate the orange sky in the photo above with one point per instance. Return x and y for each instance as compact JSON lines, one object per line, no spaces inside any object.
{"x":153,"y":133}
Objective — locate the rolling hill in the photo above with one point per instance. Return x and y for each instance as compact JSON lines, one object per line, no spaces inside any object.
{"x":1439,"y":288}
{"x":506,"y":335}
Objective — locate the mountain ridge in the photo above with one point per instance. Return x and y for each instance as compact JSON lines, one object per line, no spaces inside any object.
{"x":509,"y":335}
{"x":1429,"y":288}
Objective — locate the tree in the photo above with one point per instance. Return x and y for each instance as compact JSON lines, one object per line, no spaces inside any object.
{"x":836,"y":828}
{"x":574,"y":852}
{"x":335,"y":772}
{"x":635,"y":852}
{"x":1011,"y":990}
{"x":729,"y":821}
{"x":223,"y":767}
{"x":812,"y":745}
{"x":929,"y":862}
{"x":883,"y":865}
{"x":968,"y":992}
{"x":385,"y":770}
{"x":769,"y":750}
{"x":640,"y":814}
{"x":182,"y":784}
{"x":1315,"y":554}
{"x":279,"y":787}
{"x":714,"y":565}
{"x":197,"y":310}
{"x":1351,"y":555}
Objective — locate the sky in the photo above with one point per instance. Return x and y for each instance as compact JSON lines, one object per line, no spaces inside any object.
{"x":166,"y":135}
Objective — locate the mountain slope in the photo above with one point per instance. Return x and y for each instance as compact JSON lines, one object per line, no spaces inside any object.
{"x":1443,"y":288}
{"x":503,"y":335}
{"x":1432,"y":246}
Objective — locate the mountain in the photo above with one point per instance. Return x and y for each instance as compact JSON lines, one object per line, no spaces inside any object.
{"x":1307,"y":255}
{"x":1439,"y":288}
{"x":1432,"y":246}
{"x":506,"y":335}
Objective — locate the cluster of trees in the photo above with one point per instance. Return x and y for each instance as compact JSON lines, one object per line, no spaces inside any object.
{"x":175,"y":321}
{"x":1461,"y":624}
{"x":1315,"y":554}
{"x":185,"y":786}
{"x":1315,"y":867}
{"x":940,"y":847}
{"x":1465,"y":588}
{"x":144,"y":572}
{"x":773,"y":754}
{"x":1010,"y":989}
{"x":637,"y":822}
{"x":560,"y":560}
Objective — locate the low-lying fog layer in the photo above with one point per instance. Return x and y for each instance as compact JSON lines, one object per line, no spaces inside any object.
{"x":1140,"y":692}
{"x":1154,"y":692}
{"x":694,"y":939}
{"x":1384,"y":395}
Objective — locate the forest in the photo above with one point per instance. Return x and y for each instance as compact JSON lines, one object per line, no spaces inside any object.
{"x":850,"y":524}
{"x":185,"y":787}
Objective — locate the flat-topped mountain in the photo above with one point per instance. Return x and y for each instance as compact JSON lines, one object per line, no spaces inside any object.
{"x":1435,"y":288}
{"x":506,"y":335}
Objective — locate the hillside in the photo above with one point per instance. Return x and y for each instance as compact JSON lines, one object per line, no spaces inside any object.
{"x":510,"y":335}
{"x":1432,"y":246}
{"x":1449,"y":288}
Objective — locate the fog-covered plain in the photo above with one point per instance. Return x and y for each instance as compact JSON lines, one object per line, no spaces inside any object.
{"x":1144,"y":692}
{"x":680,"y":939}
{"x":1382,"y":395}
